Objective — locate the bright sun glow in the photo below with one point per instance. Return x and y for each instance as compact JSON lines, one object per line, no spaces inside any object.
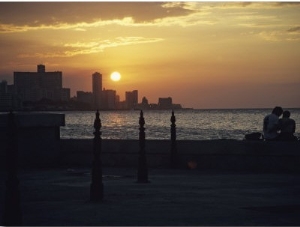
{"x":115,"y":76}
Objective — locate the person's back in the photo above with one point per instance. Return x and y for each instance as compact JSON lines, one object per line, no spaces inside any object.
{"x":270,"y":124}
{"x":287,"y":127}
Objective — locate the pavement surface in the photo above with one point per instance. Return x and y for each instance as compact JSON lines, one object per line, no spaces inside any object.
{"x":172,"y":198}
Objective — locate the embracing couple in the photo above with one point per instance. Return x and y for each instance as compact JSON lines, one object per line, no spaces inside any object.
{"x":276,"y":128}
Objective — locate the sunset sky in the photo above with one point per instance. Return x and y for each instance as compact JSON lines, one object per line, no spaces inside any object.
{"x":203,"y":55}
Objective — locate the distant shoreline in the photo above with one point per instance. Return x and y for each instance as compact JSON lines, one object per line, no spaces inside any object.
{"x":124,"y":110}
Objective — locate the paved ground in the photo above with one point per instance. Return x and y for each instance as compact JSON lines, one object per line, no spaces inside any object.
{"x":173,"y":197}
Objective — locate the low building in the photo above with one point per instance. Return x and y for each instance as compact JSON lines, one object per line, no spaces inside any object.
{"x":65,"y":94}
{"x":6,"y":99}
{"x":165,"y":103}
{"x":34,"y":86}
{"x":85,"y":97}
{"x":6,"y":102}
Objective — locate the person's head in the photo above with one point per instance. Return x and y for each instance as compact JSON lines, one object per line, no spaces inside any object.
{"x":277,"y":111}
{"x":286,"y":114}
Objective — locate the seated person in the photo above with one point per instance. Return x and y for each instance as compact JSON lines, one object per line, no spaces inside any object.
{"x":270,"y":127}
{"x":287,"y":127}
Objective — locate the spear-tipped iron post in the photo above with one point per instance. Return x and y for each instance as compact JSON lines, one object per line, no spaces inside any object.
{"x":142,"y":165}
{"x":96,"y":189}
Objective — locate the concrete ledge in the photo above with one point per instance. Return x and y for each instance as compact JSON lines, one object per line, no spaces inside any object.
{"x":38,"y":137}
{"x":27,"y":120}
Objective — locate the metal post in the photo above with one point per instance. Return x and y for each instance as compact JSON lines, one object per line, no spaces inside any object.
{"x":96,"y":189}
{"x":142,"y":166}
{"x":173,"y":142}
{"x":12,"y":209}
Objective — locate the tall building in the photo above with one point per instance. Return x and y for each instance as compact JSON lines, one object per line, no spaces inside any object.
{"x":97,"y":89}
{"x":131,"y":99}
{"x":109,"y":99}
{"x":34,"y":86}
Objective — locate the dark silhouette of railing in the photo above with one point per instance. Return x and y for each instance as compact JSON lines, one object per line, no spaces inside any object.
{"x":12,"y":210}
{"x":96,"y":189}
{"x":174,"y":158}
{"x":142,"y":165}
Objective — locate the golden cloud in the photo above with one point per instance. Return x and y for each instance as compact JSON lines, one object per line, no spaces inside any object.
{"x":80,"y":48}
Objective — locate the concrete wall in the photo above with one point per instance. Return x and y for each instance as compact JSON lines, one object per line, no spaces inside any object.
{"x":38,"y":138}
{"x":207,"y":155}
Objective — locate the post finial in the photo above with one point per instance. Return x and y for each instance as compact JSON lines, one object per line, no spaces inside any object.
{"x":97,"y":122}
{"x":173,"y":119}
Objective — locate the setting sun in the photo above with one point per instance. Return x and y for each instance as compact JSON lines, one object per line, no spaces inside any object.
{"x":115,"y":76}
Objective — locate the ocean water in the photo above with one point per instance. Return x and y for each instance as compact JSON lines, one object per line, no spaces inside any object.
{"x":190,"y":124}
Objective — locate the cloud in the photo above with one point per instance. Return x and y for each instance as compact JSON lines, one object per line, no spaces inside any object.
{"x":294,"y":29}
{"x":10,"y":28}
{"x":184,"y":21}
{"x":254,"y":5}
{"x":293,"y":34}
{"x":270,"y":36}
{"x":99,"y":46}
{"x":277,"y":36}
{"x":80,"y":16}
{"x":258,"y":21}
{"x":53,"y":13}
{"x":80,"y":48}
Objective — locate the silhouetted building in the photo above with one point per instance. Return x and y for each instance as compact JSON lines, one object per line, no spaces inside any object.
{"x":41,"y":68}
{"x":109,"y":99}
{"x":131,"y":99}
{"x":34,"y":86}
{"x":6,"y":99}
{"x":145,"y":101}
{"x":153,"y":106}
{"x":165,"y":103}
{"x":97,"y":89}
{"x":122,"y":105}
{"x":3,"y":87}
{"x":117,"y":99}
{"x":65,"y":94}
{"x":144,"y":105}
{"x":85,"y":97}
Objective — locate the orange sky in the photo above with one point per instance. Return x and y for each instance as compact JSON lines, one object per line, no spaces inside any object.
{"x":203,"y":55}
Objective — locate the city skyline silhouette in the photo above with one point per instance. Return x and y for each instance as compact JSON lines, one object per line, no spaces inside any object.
{"x":43,"y":90}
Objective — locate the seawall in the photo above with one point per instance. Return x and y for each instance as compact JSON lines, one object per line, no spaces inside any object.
{"x":232,"y":155}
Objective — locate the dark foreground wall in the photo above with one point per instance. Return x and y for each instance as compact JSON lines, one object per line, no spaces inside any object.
{"x":211,"y":154}
{"x":36,"y":136}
